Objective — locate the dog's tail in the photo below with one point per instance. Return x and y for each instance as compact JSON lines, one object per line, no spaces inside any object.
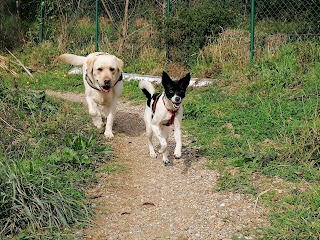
{"x":72,"y":59}
{"x":147,"y":88}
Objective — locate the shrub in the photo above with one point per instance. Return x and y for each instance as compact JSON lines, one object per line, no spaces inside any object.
{"x":12,"y":32}
{"x":192,"y":24}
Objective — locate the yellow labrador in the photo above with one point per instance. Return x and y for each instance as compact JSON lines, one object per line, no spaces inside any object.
{"x":102,"y":77}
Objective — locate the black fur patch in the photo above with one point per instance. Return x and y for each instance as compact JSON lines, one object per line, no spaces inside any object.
{"x":154,"y":97}
{"x":148,"y":95}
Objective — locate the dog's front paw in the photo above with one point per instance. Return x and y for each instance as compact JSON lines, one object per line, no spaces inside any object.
{"x":108,"y":135}
{"x":153,"y":155}
{"x":177,"y":154}
{"x":166,"y":161}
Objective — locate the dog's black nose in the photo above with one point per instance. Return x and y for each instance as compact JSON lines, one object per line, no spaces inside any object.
{"x":106,"y":82}
{"x":178,"y":99}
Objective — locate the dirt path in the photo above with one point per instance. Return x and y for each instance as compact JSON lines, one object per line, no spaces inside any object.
{"x":149,"y":201}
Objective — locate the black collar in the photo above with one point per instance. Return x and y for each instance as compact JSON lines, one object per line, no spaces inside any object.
{"x":90,"y":83}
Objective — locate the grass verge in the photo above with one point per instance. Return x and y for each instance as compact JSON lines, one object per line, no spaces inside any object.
{"x":263,"y":137}
{"x":48,"y":157}
{"x":259,"y":127}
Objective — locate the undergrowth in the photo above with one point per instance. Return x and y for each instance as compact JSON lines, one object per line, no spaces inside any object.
{"x":258,"y":125}
{"x":48,"y":157}
{"x":263,"y":136}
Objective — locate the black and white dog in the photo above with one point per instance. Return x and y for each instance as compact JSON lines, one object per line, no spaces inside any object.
{"x":163,"y":110}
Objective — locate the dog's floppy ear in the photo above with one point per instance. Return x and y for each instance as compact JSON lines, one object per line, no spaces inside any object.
{"x":120,"y":64}
{"x":184,"y":82}
{"x":90,"y":63}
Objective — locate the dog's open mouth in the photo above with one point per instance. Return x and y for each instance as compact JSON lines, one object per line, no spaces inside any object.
{"x":105,"y":88}
{"x":176,"y":104}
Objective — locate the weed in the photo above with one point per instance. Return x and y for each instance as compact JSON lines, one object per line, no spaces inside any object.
{"x":48,"y":156}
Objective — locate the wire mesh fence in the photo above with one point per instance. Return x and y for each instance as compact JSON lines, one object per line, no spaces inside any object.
{"x":280,"y":22}
{"x":194,"y":28}
{"x":296,"y":18}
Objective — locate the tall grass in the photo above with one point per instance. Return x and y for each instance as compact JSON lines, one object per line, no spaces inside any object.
{"x":48,"y":157}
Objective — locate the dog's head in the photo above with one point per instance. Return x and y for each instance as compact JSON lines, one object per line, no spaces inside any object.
{"x":104,"y":70}
{"x":175,"y":91}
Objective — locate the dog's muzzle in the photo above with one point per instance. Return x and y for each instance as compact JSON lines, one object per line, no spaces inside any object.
{"x":106,"y":87}
{"x":176,"y":101}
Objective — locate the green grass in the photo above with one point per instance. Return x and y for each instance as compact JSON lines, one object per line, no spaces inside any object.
{"x":132,"y":92}
{"x":268,"y":127}
{"x":259,"y":127}
{"x":297,"y":216}
{"x":48,"y":156}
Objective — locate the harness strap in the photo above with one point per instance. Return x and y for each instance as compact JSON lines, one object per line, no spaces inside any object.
{"x":90,"y":83}
{"x":173,"y":112}
{"x":171,"y":120}
{"x":154,"y":104}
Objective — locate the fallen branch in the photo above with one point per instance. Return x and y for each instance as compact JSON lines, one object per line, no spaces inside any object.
{"x":5,"y":67}
{"x":107,"y":11}
{"x":20,"y":63}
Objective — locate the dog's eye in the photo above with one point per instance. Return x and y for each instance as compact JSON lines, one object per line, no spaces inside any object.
{"x":171,"y":92}
{"x":99,"y":69}
{"x":112,"y":69}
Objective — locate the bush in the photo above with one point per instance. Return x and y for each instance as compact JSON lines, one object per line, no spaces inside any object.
{"x":191,"y":25}
{"x":12,"y":32}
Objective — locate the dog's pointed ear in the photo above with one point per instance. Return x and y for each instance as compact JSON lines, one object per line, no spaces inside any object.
{"x":185,"y":81}
{"x":165,"y":78}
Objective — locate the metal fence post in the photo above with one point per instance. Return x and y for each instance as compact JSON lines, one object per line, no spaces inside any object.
{"x":252,"y":32}
{"x":41,"y":21}
{"x":97,"y":25}
{"x":167,"y":34}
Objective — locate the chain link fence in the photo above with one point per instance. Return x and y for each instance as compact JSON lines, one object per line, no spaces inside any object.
{"x":280,"y":22}
{"x":194,"y":29}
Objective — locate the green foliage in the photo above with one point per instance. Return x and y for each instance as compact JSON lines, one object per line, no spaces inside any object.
{"x":131,"y":91}
{"x":48,"y":156}
{"x":191,"y":25}
{"x":269,"y":127}
{"x":34,"y":199}
{"x":291,"y":11}
{"x":12,"y":32}
{"x":267,"y":110}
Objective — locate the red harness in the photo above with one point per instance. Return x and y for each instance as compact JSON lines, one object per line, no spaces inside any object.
{"x":173,"y":112}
